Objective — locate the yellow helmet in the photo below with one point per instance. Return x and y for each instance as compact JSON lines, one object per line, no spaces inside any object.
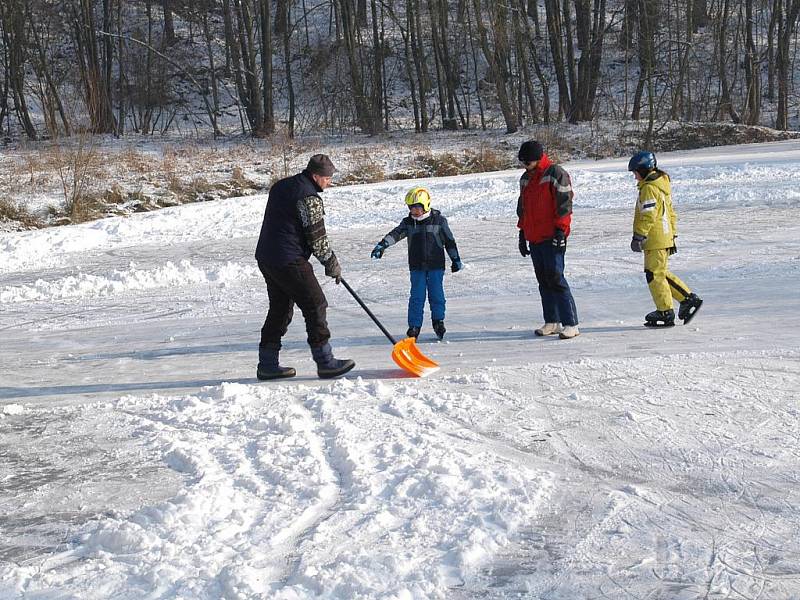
{"x":419,"y":195}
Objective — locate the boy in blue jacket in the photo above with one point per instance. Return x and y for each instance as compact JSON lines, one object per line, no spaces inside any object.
{"x":429,"y":236}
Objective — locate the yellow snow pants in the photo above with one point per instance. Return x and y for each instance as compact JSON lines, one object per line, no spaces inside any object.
{"x":664,"y":285}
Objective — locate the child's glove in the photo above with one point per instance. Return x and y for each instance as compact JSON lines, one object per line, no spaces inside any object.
{"x":638,"y":242}
{"x":377,"y":251}
{"x":559,"y":241}
{"x":674,"y":248}
{"x":456,"y":266}
{"x":523,"y":244}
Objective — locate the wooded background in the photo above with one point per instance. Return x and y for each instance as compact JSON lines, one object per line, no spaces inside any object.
{"x":341,"y":66}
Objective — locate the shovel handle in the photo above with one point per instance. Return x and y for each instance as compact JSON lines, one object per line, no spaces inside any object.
{"x":367,"y":310}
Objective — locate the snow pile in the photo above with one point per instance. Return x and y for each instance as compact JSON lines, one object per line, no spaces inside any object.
{"x":355,"y":490}
{"x":84,"y":285}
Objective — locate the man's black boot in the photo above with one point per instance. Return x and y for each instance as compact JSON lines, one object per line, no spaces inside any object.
{"x":329,"y":367}
{"x":268,"y":367}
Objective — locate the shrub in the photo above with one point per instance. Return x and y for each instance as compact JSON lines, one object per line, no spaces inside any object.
{"x":14,"y":212}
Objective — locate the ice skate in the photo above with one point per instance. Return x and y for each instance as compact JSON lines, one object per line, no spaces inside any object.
{"x":439,"y":328}
{"x":660,"y":318}
{"x":689,"y":306}
{"x":413,"y":332}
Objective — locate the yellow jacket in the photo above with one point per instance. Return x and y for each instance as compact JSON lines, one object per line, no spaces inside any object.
{"x":654,"y":216}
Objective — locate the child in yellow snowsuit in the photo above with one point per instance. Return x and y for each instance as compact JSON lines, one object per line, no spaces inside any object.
{"x":654,"y":233}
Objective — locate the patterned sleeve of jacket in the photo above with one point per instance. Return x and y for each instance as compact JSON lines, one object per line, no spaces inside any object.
{"x":646,"y":210}
{"x":448,"y":239}
{"x":561,"y":184}
{"x":312,"y":218}
{"x":395,"y":235}
{"x":523,"y":181}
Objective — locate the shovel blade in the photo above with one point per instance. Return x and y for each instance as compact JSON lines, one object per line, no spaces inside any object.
{"x":409,"y":358}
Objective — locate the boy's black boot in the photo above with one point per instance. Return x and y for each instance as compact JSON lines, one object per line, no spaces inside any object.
{"x":329,"y":367}
{"x":439,"y":328}
{"x":689,"y":306}
{"x":660,"y":318}
{"x":268,"y":366}
{"x":413,"y":332}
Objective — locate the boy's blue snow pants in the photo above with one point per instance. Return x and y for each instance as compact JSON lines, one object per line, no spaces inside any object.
{"x":424,"y":283}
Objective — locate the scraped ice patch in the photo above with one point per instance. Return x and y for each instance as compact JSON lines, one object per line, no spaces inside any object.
{"x":85,"y":285}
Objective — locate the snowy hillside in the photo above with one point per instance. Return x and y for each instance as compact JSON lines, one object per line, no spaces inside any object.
{"x":142,"y":459}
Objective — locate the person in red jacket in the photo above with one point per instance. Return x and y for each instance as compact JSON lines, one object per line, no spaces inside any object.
{"x":544,"y":209}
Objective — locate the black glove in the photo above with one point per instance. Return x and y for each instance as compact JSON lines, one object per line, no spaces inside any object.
{"x":559,"y":241}
{"x":377,"y":251}
{"x":637,"y":242}
{"x":457,"y":265}
{"x":523,"y":244}
{"x":332,"y":268}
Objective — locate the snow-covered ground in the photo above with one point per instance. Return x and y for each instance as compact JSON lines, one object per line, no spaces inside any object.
{"x":142,"y":459}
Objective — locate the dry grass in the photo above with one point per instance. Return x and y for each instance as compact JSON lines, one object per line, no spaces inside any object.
{"x":364,"y":170}
{"x":13,"y":212}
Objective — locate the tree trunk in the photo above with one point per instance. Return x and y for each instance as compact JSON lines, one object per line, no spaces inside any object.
{"x":725,"y":104}
{"x":266,"y":66}
{"x":14,"y":39}
{"x":751,"y":70}
{"x":496,"y":69}
{"x":786,"y":28}
{"x":169,"y":24}
{"x":554,"y":31}
{"x":590,"y":60}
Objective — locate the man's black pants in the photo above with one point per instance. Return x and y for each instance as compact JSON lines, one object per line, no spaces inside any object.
{"x":294,"y":283}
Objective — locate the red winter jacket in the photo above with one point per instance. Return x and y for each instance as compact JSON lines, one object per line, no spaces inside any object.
{"x":545,"y":201}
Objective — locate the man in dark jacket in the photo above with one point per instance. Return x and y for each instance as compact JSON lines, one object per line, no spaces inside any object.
{"x":293,"y":230}
{"x":544,"y":209}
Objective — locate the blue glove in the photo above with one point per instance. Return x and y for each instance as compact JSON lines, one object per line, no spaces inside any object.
{"x":637,"y":243}
{"x":377,"y":251}
{"x":559,"y":241}
{"x":457,"y":265}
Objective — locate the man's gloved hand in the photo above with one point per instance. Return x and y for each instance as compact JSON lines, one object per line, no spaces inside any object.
{"x":332,"y":269}
{"x":637,"y":242}
{"x":457,"y":265}
{"x":523,"y":244}
{"x":559,"y":241}
{"x":377,"y":251}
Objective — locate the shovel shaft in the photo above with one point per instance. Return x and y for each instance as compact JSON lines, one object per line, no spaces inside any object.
{"x":367,"y":310}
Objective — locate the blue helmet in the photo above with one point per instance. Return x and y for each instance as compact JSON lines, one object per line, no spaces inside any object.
{"x":644,"y":159}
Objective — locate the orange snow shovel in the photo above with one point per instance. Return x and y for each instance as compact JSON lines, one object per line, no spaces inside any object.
{"x":405,"y":352}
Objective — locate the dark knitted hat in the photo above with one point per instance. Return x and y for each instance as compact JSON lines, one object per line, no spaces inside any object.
{"x":530,"y":151}
{"x":320,"y":164}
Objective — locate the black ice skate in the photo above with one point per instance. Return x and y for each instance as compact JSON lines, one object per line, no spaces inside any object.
{"x":660,"y":318}
{"x":439,"y":328}
{"x":690,"y":305}
{"x":413,"y":332}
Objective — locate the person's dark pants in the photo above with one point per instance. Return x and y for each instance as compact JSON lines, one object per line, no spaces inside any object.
{"x":558,"y":305}
{"x":288,"y":285}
